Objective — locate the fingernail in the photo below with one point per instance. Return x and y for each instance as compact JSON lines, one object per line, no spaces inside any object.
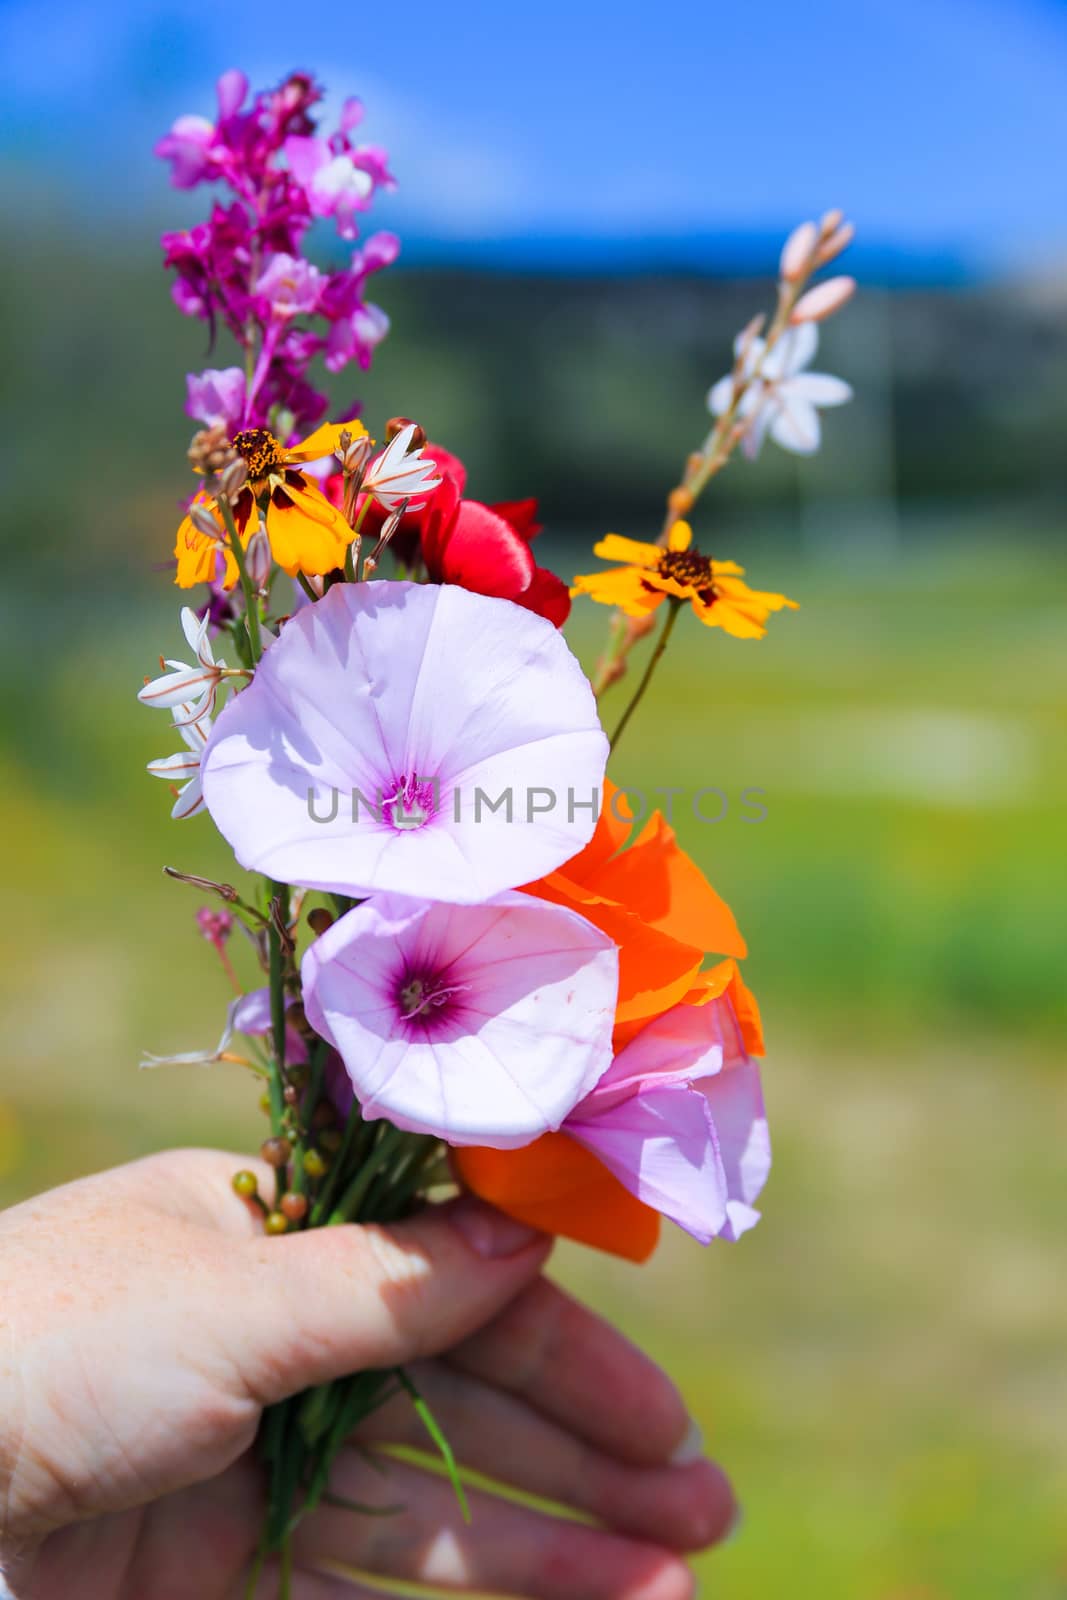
{"x":691,"y":1447}
{"x":489,"y":1232}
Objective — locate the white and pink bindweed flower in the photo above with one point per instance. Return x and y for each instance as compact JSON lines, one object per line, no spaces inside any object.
{"x":478,"y":1024}
{"x":418,"y":739}
{"x":679,"y":1119}
{"x":781,"y":397}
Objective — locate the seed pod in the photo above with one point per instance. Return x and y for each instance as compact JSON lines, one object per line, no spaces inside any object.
{"x":294,"y":1206}
{"x":315,"y":1164}
{"x":397,"y":425}
{"x":276,"y":1222}
{"x":319,"y":919}
{"x":276,"y":1151}
{"x":265,"y":1104}
{"x":244,"y":1183}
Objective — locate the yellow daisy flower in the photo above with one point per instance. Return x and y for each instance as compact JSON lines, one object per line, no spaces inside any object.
{"x":307,"y":534}
{"x":651,"y":573}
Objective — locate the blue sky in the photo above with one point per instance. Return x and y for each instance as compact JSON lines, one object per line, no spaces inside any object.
{"x":941,"y":125}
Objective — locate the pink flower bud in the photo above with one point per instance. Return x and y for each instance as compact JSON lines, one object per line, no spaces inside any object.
{"x":796,"y":252}
{"x":258,"y":557}
{"x":216,"y":926}
{"x":823,"y":300}
{"x":203,"y":521}
{"x":832,"y":247}
{"x":830,"y":221}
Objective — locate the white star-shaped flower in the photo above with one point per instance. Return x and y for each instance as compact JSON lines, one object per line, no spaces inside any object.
{"x":784,"y":400}
{"x":194,"y":687}
{"x":400,"y":473}
{"x":185,"y":765}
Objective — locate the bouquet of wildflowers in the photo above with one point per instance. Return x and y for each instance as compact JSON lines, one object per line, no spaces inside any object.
{"x":472,"y":973}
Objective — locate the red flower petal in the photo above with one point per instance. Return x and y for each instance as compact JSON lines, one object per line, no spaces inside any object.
{"x":522,"y":516}
{"x":547,"y":595}
{"x":480,"y":551}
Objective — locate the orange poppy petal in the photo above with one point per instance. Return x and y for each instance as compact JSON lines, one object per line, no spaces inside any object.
{"x":325,"y":441}
{"x":664,"y":887}
{"x":556,"y":1185}
{"x":655,"y":970}
{"x":613,"y":828}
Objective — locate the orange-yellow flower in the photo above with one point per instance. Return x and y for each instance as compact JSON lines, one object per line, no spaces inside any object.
{"x":306,"y":533}
{"x":651,"y":573}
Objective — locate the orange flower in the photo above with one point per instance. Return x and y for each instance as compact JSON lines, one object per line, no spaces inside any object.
{"x":307,"y":534}
{"x":651,"y":573}
{"x":656,"y":904}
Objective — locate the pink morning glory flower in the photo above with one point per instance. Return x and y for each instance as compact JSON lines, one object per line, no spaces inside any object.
{"x":679,"y":1119}
{"x":479,"y":1024}
{"x":412,"y":738}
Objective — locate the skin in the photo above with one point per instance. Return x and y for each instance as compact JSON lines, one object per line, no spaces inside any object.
{"x":145,"y":1320}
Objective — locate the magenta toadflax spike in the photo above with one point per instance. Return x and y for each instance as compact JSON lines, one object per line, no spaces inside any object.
{"x":243,"y":270}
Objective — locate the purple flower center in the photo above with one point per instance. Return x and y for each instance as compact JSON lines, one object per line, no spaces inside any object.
{"x":410,"y":803}
{"x":426,"y":997}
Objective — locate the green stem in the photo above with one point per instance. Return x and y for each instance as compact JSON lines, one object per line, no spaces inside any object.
{"x":280,"y":892}
{"x":354,"y":544}
{"x":321,"y":1208}
{"x":247,"y":587}
{"x":675,"y":606}
{"x":347,"y":1208}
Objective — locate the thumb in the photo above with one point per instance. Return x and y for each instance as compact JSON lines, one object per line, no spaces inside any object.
{"x":332,"y":1301}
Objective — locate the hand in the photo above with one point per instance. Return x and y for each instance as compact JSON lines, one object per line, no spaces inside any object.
{"x":145,"y":1321}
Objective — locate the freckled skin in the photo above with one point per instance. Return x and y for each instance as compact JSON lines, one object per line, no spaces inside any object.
{"x":145,"y":1320}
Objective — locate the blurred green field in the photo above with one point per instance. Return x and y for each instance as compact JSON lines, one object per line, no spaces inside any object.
{"x":881,"y":1364}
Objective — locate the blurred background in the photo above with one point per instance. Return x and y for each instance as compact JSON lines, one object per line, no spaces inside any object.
{"x":592,"y":202}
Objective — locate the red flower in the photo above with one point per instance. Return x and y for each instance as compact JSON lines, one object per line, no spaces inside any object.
{"x":478,"y":547}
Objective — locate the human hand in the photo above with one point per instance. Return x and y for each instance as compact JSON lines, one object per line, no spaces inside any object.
{"x":145,"y":1321}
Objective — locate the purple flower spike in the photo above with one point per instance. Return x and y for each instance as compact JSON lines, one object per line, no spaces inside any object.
{"x":411,"y":738}
{"x":480,"y":1024}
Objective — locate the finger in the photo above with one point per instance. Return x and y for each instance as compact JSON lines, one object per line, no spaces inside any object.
{"x":575,"y":1368}
{"x":304,"y":1586}
{"x":332,"y":1301}
{"x":506,"y":1549}
{"x":196,"y":1186}
{"x":685,"y":1507}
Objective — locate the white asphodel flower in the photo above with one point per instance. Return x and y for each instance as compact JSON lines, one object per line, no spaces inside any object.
{"x":194,"y":687}
{"x":184,"y":768}
{"x":783,"y":399}
{"x":400,"y":473}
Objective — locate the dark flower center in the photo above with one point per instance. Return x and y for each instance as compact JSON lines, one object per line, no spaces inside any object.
{"x":688,"y":567}
{"x":259,"y":450}
{"x":423,"y":996}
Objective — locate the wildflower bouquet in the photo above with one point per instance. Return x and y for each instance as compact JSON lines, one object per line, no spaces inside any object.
{"x":473,"y":973}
